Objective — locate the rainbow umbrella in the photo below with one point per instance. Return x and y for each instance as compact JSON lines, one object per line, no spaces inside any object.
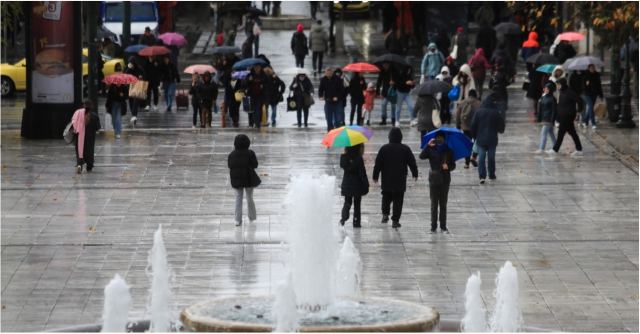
{"x":347,"y":136}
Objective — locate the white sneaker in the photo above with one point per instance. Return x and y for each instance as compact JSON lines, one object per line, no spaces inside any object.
{"x":238,"y":223}
{"x":551,"y":151}
{"x":117,"y":136}
{"x":252,"y":221}
{"x":576,"y":154}
{"x":133,"y":121}
{"x":155,"y":107}
{"x":538,"y":151}
{"x":593,"y":127}
{"x":557,"y":125}
{"x":193,"y":126}
{"x":146,"y":108}
{"x":413,"y":122}
{"x":396,"y":124}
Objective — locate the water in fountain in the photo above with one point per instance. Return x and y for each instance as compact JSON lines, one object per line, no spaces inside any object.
{"x":284,"y":307}
{"x":309,"y":204}
{"x":506,"y":316}
{"x":117,"y":301}
{"x":348,"y":271}
{"x":160,"y":290}
{"x":475,"y":314}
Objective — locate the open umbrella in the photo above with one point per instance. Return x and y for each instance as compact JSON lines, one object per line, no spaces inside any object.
{"x":455,"y":139}
{"x":391,"y":58}
{"x":119,"y":79}
{"x":432,"y":87}
{"x":361,"y":68}
{"x":134,"y":48}
{"x":173,"y":38}
{"x":542,"y":58}
{"x":239,"y":75}
{"x":199,"y":69}
{"x":256,"y":11}
{"x":246,"y":63}
{"x":548,"y":68}
{"x":347,"y":136}
{"x":507,"y":28}
{"x":582,"y":63}
{"x":151,"y":51}
{"x":570,"y":36}
{"x":224,"y":50}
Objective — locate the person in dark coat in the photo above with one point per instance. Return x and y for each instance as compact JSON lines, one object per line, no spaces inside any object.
{"x":394,"y":43}
{"x":442,"y":42}
{"x":256,"y":83}
{"x":116,"y":106}
{"x":302,"y":88}
{"x":147,"y":38}
{"x":392,"y":162}
{"x":355,"y":183}
{"x":486,"y":124}
{"x":486,"y":40}
{"x":207,"y":92}
{"x":592,"y":89}
{"x":357,"y":85}
{"x":564,"y":51}
{"x":170,"y":78}
{"x":332,"y":90}
{"x":569,"y":105}
{"x":547,"y":110}
{"x":242,"y":163}
{"x":195,"y":98}
{"x":137,"y":71}
{"x":329,"y":109}
{"x":85,"y":125}
{"x":247,"y":47}
{"x":275,"y":87}
{"x":500,"y":79}
{"x":299,"y":45}
{"x":460,"y":42}
{"x":383,"y":83}
{"x":153,"y":73}
{"x":424,"y":109}
{"x":441,"y":162}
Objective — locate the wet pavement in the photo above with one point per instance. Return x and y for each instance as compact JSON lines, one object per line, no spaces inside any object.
{"x":570,"y":226}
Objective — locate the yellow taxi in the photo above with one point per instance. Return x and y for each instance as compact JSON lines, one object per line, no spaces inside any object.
{"x":14,"y":76}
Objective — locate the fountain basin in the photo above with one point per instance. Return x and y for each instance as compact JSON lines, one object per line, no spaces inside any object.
{"x":253,"y":314}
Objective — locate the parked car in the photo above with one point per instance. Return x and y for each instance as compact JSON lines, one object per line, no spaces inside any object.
{"x":14,"y":76}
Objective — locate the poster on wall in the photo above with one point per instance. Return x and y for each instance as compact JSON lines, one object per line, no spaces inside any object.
{"x":52,"y":52}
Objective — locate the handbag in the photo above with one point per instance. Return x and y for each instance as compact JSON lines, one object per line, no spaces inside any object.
{"x":238,"y":95}
{"x":454,"y":93}
{"x":392,"y":95}
{"x":246,"y":104}
{"x":435,"y":117}
{"x":292,"y":104}
{"x":308,"y":100}
{"x":69,"y":133}
{"x":600,"y":110}
{"x":138,"y":90}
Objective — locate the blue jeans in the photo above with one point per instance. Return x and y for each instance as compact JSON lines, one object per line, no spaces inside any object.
{"x":406,"y":98}
{"x":339,"y":115}
{"x":116,"y":118}
{"x":384,"y":109}
{"x":169,"y":93}
{"x":482,"y":168}
{"x":330,"y":110}
{"x":274,"y":111}
{"x":588,"y":112}
{"x":547,"y":131}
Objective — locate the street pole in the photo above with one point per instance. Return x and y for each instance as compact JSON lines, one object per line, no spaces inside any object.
{"x":126,"y":26}
{"x":339,"y":45}
{"x":92,"y":25}
{"x":626,"y":118}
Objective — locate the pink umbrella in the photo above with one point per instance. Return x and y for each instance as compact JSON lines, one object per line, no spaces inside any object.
{"x":119,"y":79}
{"x":571,"y":36}
{"x":173,"y":38}
{"x":152,"y":51}
{"x":199,"y":69}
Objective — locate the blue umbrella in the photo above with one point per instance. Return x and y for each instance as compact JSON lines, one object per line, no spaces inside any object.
{"x":246,"y":63}
{"x":457,"y":141}
{"x":548,"y":68}
{"x":239,"y":75}
{"x":134,"y":48}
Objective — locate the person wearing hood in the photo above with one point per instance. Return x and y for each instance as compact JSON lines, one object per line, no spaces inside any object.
{"x":592,"y":89}
{"x":557,"y":74}
{"x":392,"y":162}
{"x":355,"y":183}
{"x":242,"y":163}
{"x":464,"y":79}
{"x":318,"y":42}
{"x":486,"y":124}
{"x":464,"y":115}
{"x":445,"y":103}
{"x":502,"y":55}
{"x":530,"y":46}
{"x":442,"y":164}
{"x":479,"y":66}
{"x":299,"y":46}
{"x":451,"y":64}
{"x":85,"y":124}
{"x":547,"y":109}
{"x":431,"y":63}
{"x":357,"y":85}
{"x":424,"y":112}
{"x":569,"y":105}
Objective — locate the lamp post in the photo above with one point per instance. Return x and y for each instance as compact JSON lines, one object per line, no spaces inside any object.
{"x":92,"y":41}
{"x":126,"y":25}
{"x":626,"y":118}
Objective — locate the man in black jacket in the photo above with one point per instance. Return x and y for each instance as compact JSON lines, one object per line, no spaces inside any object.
{"x":392,"y":161}
{"x":567,"y":112}
{"x":486,"y":124}
{"x":382,"y":88}
{"x":332,"y":90}
{"x":441,"y":162}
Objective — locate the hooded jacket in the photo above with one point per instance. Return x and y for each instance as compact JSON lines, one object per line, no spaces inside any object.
{"x":432,"y":61}
{"x":424,"y":109}
{"x":487,"y":123}
{"x":354,"y":180}
{"x":242,"y":163}
{"x":479,"y":64}
{"x":530,"y":46}
{"x":569,"y":104}
{"x":465,"y":111}
{"x":470,"y":85}
{"x":553,"y":78}
{"x":318,"y":38}
{"x":445,"y":74}
{"x":392,"y":161}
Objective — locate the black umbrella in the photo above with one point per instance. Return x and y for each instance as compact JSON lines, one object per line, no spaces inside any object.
{"x":224,"y":50}
{"x":390,"y":58}
{"x":432,"y":87}
{"x":256,"y":11}
{"x":507,"y":28}
{"x":542,"y":58}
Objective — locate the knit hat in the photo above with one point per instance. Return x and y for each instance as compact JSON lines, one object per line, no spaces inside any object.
{"x":551,"y":86}
{"x":300,"y":27}
{"x":460,"y":29}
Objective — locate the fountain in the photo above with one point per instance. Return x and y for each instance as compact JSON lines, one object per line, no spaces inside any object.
{"x":160,"y":291}
{"x":285,"y":308}
{"x":348,"y":271}
{"x":117,"y":301}
{"x":506,"y":315}
{"x":475,"y":314}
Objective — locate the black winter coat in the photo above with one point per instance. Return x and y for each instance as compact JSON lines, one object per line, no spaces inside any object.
{"x":170,"y":73}
{"x":392,"y":161}
{"x":300,"y":88}
{"x":569,"y":104}
{"x":487,"y":123}
{"x":242,"y":163}
{"x":153,"y":72}
{"x":357,"y":85}
{"x":547,"y":109}
{"x":486,"y":40}
{"x":299,"y":44}
{"x":384,"y":77}
{"x":592,"y":85}
{"x":436,"y":159}
{"x":207,"y":92}
{"x":331,"y":88}
{"x":274,"y":88}
{"x":354,"y":181}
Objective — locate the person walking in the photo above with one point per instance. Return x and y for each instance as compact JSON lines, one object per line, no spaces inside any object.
{"x":464,"y":115}
{"x":369,"y":102}
{"x":383,"y":85}
{"x":431,"y":63}
{"x":242,"y":163}
{"x":479,"y":66}
{"x":425,"y":105}
{"x":207,"y":92}
{"x":85,"y":124}
{"x":392,"y":162}
{"x":487,"y":122}
{"x":275,"y":87}
{"x":355,"y":183}
{"x":569,"y":105}
{"x":195,"y":98}
{"x":592,"y":89}
{"x":137,"y":71}
{"x":116,"y":106}
{"x":170,"y":77}
{"x":498,"y":83}
{"x":299,"y":46}
{"x":302,"y":89}
{"x":442,"y":164}
{"x":318,"y":43}
{"x":443,"y":99}
{"x":147,"y":38}
{"x":547,"y":109}
{"x":256,"y":81}
{"x":530,"y":46}
{"x":486,"y":39}
{"x":341,"y":85}
{"x":153,"y":72}
{"x":404,"y":84}
{"x":357,"y":85}
{"x":460,"y":43}
{"x":326,"y":93}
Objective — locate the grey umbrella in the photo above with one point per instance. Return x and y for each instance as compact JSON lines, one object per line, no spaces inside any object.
{"x":432,"y":87}
{"x":542,"y":58}
{"x":507,"y":28}
{"x":582,"y":63}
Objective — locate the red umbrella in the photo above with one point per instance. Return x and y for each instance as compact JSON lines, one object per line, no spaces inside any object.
{"x":199,"y":69}
{"x":361,"y":67}
{"x":151,"y":51}
{"x":571,"y":36}
{"x":120,"y":79}
{"x":173,"y":38}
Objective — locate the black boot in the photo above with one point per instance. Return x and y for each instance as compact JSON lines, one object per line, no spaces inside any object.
{"x":385,"y":219}
{"x":383,"y":122}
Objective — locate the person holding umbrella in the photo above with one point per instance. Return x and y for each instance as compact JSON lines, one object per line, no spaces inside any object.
{"x":487,"y":122}
{"x":148,"y":38}
{"x":355,"y":182}
{"x":195,"y":98}
{"x":442,"y":163}
{"x":357,"y":85}
{"x":116,"y":106}
{"x":392,"y":162}
{"x":301,"y":87}
{"x":207,"y":92}
{"x":153,"y":72}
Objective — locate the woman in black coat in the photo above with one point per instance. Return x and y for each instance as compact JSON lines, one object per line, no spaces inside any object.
{"x":275,"y":87}
{"x":302,"y":89}
{"x":355,"y":183}
{"x":357,"y":85}
{"x":242,"y":163}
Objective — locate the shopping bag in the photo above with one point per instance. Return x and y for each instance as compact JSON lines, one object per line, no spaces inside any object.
{"x":292,"y":105}
{"x":308,"y":100}
{"x":138,"y":90}
{"x":68,"y":133}
{"x":238,"y":95}
{"x":435,"y":117}
{"x":600,"y":110}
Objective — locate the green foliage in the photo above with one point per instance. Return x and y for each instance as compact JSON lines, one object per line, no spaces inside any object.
{"x":10,"y":12}
{"x":614,"y":22}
